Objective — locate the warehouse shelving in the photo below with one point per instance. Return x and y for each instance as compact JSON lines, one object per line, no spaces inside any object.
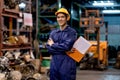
{"x":11,"y":29}
{"x":75,"y":12}
{"x":46,"y":22}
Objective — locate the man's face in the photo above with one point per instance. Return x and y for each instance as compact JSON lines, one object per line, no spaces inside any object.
{"x":61,"y":19}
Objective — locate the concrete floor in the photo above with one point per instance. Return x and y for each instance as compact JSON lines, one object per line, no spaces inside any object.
{"x":109,"y":74}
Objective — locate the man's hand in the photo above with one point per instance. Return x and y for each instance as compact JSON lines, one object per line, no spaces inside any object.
{"x":71,"y":51}
{"x":50,"y":42}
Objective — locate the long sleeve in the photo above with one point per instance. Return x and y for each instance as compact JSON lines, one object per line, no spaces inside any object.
{"x":66,"y":45}
{"x":63,"y":41}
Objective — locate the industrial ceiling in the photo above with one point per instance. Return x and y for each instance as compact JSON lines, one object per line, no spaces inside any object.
{"x":88,"y":4}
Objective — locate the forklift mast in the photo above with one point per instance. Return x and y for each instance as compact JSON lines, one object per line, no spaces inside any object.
{"x":91,"y":21}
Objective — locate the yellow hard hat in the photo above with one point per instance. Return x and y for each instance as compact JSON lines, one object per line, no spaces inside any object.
{"x":63,"y":10}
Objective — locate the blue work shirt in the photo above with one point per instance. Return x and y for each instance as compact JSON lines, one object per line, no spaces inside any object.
{"x":63,"y":40}
{"x":62,"y":66}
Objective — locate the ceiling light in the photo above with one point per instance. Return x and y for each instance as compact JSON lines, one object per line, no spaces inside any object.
{"x":108,"y":1}
{"x":111,"y":11}
{"x":102,"y":3}
{"x":95,"y":1}
{"x":22,"y":5}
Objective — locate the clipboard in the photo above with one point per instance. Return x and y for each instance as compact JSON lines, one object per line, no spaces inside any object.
{"x":75,"y":55}
{"x":80,"y":46}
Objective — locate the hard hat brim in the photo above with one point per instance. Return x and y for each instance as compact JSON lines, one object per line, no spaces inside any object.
{"x":63,"y":10}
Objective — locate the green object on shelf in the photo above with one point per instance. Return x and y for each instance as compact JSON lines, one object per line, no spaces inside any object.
{"x":45,"y":63}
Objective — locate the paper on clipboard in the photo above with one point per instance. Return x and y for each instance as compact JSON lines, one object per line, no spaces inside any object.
{"x":81,"y":46}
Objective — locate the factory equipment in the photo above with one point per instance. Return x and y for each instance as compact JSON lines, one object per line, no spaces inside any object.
{"x":96,"y":57}
{"x":117,"y":64}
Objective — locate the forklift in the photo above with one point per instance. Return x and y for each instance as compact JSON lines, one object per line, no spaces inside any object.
{"x":97,"y":55}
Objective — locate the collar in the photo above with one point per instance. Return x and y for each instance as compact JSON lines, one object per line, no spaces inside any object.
{"x":66,"y":29}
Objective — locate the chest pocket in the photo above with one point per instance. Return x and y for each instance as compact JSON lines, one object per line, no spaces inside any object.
{"x":60,"y":37}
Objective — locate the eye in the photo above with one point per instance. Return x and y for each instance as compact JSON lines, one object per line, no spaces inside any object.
{"x":58,"y":17}
{"x":62,"y":16}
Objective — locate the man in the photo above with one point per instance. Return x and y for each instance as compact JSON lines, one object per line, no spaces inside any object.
{"x":60,"y":41}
